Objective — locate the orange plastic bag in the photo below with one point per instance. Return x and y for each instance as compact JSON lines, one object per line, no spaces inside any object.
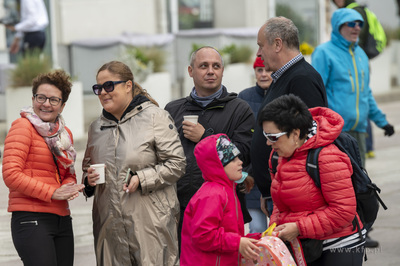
{"x":274,"y":251}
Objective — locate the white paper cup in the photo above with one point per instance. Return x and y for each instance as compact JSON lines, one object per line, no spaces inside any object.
{"x":99,"y":168}
{"x":191,"y":118}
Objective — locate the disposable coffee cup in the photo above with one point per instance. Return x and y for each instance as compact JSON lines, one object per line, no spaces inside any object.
{"x":99,"y":168}
{"x":191,"y":118}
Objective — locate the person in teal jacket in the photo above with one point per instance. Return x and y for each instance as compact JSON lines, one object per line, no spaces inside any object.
{"x":344,"y":69}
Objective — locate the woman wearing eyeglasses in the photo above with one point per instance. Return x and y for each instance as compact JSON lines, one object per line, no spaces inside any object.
{"x":38,"y":169}
{"x":136,"y":210}
{"x":301,"y":209}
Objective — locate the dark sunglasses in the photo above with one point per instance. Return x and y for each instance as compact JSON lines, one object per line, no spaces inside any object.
{"x":273,"y":137}
{"x":352,"y":24}
{"x":108,"y":86}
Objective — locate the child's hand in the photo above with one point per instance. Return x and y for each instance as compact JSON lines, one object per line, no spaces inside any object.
{"x":248,"y":249}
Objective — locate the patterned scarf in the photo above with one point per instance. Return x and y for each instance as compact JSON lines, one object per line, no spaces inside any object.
{"x":312,"y":131}
{"x":56,"y":137}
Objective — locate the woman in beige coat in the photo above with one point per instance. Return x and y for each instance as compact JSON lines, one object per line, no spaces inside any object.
{"x":134,"y":221}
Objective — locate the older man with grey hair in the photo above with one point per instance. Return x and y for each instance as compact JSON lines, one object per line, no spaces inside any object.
{"x":278,"y":42}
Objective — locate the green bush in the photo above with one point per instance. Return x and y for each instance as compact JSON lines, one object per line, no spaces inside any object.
{"x":28,"y":67}
{"x":152,"y":56}
{"x":237,"y":54}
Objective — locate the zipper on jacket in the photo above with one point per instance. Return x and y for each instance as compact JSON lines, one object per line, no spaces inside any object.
{"x":218,"y":262}
{"x":362,"y":81}
{"x":357,"y":88}
{"x":29,"y":222}
{"x":351,"y":81}
{"x":236,"y":200}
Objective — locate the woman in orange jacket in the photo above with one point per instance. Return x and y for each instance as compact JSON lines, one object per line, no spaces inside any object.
{"x":38,"y":169}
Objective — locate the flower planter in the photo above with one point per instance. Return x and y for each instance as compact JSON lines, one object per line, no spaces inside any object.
{"x":158,"y":85}
{"x":16,"y":99}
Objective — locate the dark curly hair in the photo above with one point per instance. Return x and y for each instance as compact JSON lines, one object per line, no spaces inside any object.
{"x":287,"y":112}
{"x":59,"y":78}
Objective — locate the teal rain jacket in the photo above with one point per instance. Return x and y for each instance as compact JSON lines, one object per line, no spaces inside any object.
{"x":344,"y":68}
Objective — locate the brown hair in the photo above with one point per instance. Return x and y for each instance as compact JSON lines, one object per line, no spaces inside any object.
{"x":124,"y":72}
{"x":59,"y":78}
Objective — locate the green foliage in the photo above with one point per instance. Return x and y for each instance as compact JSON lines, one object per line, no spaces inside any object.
{"x":143,"y":61}
{"x":148,"y":56}
{"x":157,"y":56}
{"x":306,"y":30}
{"x":28,"y":67}
{"x":392,"y":33}
{"x":237,"y":54}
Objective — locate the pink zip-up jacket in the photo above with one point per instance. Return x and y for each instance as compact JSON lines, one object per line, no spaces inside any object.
{"x":213,"y":221}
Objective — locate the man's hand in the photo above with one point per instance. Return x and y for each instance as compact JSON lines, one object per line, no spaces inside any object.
{"x":14,"y":47}
{"x":192,"y":131}
{"x":10,"y":27}
{"x":389,"y":130}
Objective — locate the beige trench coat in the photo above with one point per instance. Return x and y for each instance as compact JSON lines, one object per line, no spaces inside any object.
{"x":138,"y":228}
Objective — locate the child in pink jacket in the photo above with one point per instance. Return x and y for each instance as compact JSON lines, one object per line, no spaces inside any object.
{"x":213,"y":229}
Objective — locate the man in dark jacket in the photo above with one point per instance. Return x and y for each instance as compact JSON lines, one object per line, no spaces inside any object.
{"x":254,"y":97}
{"x":278,"y":41}
{"x":218,"y":112}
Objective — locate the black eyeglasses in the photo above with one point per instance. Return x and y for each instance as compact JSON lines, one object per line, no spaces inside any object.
{"x":352,"y":24}
{"x":54,"y":101}
{"x":108,"y":86}
{"x":273,"y":137}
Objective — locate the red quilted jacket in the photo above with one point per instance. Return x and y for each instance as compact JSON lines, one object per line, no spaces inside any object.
{"x":29,"y":171}
{"x":320,"y":213}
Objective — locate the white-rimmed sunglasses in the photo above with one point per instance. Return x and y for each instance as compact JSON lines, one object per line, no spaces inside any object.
{"x":273,"y":137}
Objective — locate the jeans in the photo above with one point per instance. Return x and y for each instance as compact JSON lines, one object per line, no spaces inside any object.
{"x":43,"y":239}
{"x":259,"y":222}
{"x":370,"y":138}
{"x":362,"y":145}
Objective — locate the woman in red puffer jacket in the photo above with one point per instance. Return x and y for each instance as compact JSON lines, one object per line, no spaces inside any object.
{"x":301,"y":209}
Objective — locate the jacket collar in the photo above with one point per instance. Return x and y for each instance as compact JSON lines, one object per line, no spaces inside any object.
{"x":217,"y":102}
{"x":138,"y":104}
{"x":260,"y":90}
{"x":137,"y":100}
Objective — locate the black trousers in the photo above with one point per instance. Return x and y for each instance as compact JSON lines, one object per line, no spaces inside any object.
{"x":33,"y":40}
{"x":43,"y":238}
{"x":340,"y":256}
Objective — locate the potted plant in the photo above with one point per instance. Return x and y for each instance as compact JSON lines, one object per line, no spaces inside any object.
{"x":19,"y":93}
{"x":147,"y":65}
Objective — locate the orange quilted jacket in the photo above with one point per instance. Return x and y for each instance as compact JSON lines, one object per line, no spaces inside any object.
{"x":30,"y":173}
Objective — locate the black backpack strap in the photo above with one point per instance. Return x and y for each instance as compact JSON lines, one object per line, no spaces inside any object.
{"x":376,"y":189}
{"x":312,"y":165}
